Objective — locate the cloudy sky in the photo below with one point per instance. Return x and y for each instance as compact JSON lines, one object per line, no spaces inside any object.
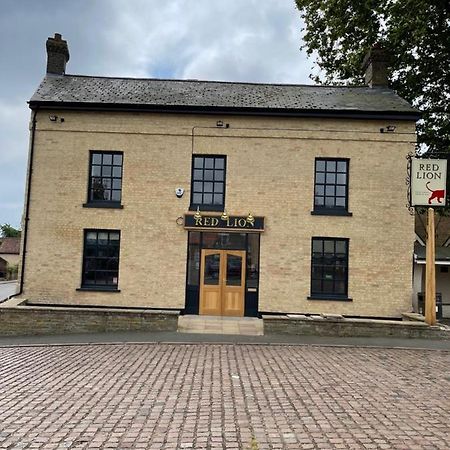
{"x":233,"y":40}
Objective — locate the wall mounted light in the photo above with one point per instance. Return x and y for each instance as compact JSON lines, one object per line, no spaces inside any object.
{"x":53,"y":118}
{"x":388,"y":129}
{"x":197,"y":215}
{"x":250,"y":218}
{"x":224,"y":216}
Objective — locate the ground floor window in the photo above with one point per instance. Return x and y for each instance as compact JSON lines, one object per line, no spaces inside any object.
{"x":329,"y":267}
{"x":101,"y":259}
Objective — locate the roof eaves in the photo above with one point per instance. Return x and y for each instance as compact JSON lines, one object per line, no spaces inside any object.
{"x":189,"y":109}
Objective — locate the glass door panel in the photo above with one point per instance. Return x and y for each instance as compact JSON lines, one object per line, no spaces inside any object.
{"x":212,"y":269}
{"x":234,"y":270}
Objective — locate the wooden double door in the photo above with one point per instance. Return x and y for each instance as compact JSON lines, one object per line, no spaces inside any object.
{"x":222,"y":282}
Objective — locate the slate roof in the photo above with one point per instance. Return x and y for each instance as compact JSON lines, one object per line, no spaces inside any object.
{"x":10,"y":245}
{"x":195,"y":95}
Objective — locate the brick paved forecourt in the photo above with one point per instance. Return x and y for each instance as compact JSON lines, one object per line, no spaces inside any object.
{"x":209,"y":396}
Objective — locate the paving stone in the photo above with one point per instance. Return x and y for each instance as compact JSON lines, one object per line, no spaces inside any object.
{"x":207,"y":396}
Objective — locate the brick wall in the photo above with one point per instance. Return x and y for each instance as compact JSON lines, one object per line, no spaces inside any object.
{"x":270,"y":172}
{"x":352,"y":328}
{"x":40,"y":320}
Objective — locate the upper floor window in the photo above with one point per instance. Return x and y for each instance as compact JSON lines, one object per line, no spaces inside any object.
{"x":331,"y":186}
{"x":208,"y":182}
{"x":329,"y":268}
{"x":105,"y":178}
{"x":101,"y":259}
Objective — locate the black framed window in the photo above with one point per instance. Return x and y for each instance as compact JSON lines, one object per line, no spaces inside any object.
{"x":101,"y":259}
{"x":331,"y":186}
{"x":208,"y":182}
{"x":105,"y":178}
{"x":329,"y":267}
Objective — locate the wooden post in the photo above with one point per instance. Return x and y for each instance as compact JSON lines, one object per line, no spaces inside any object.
{"x":430,"y":280}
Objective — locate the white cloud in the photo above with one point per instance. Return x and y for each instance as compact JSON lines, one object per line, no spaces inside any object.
{"x":14,"y":117}
{"x":13,"y":156}
{"x":233,"y":40}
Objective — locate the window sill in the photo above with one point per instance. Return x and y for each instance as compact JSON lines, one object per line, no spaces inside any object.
{"x":330,"y":298}
{"x":330,"y":212}
{"x":98,"y":289}
{"x":103,"y":205}
{"x":207,"y":208}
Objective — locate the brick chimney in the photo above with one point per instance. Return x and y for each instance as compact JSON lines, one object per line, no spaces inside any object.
{"x":375,"y":66}
{"x":57,"y":55}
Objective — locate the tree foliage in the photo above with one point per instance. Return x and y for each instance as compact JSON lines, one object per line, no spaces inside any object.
{"x":7,"y":230}
{"x":416,"y":34}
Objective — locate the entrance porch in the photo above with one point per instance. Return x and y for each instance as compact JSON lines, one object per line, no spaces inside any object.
{"x":222,"y":274}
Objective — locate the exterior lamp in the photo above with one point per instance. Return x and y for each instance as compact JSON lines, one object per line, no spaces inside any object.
{"x":224,"y":216}
{"x":388,"y":129}
{"x":197,"y":215}
{"x":250,"y":218}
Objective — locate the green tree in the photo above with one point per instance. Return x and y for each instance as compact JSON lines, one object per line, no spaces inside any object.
{"x":8,"y":231}
{"x":416,"y":34}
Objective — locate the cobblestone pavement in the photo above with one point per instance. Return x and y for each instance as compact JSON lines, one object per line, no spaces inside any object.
{"x":206,"y":396}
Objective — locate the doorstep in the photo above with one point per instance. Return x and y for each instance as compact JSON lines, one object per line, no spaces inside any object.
{"x":248,"y":326}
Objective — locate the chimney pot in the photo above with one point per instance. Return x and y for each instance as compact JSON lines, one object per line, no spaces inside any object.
{"x":57,"y":55}
{"x":375,"y":67}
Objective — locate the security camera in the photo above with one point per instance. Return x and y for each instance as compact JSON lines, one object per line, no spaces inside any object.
{"x":179,"y":192}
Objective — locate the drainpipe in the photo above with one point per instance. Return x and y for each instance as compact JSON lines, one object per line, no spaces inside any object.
{"x":27,"y":205}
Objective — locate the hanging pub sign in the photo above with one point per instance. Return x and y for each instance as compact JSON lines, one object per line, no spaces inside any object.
{"x":223,"y":222}
{"x":428,"y":182}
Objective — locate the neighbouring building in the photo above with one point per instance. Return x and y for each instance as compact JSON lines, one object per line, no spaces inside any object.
{"x":218,"y":198}
{"x":9,"y":254}
{"x":442,"y":263}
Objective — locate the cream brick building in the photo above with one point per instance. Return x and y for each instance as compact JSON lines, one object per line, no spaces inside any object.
{"x":217,"y":198}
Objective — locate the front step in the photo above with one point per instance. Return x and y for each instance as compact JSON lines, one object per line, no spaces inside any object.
{"x":249,"y":326}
